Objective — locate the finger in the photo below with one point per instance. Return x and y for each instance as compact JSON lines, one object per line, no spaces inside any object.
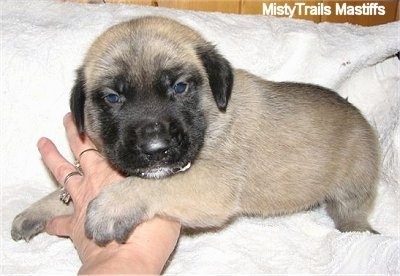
{"x":60,"y":226}
{"x":57,"y":164}
{"x":79,"y":143}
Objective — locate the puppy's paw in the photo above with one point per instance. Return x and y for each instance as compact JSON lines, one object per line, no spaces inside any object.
{"x":27,"y":225}
{"x":110,"y":217}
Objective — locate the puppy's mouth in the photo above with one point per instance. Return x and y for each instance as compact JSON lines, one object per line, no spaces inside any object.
{"x":160,"y":172}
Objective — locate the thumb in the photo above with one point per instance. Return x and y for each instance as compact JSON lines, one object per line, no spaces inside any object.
{"x":60,"y":226}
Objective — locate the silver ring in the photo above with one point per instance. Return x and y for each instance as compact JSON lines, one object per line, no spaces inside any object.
{"x":86,"y":150}
{"x":78,"y":167}
{"x":64,"y":195}
{"x":77,"y":162}
{"x":71,"y":174}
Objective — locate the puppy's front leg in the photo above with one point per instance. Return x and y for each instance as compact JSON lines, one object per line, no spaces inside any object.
{"x":33,"y":220}
{"x":194,"y":201}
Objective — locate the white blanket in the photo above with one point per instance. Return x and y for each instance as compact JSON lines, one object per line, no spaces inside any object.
{"x":43,"y":42}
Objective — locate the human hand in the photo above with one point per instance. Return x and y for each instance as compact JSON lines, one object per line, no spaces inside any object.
{"x":148,"y":247}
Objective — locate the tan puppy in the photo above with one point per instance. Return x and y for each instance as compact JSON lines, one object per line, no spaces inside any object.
{"x":209,"y":143}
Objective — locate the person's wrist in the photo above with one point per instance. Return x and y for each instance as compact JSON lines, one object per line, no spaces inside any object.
{"x":100,"y":260}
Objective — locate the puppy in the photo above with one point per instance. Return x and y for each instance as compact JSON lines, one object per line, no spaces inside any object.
{"x":203,"y":143}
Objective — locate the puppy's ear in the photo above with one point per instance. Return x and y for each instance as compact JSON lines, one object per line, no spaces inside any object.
{"x":77,"y":101}
{"x":219,"y":73}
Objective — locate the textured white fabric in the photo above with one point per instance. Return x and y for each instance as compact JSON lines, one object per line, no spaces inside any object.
{"x":43,"y":42}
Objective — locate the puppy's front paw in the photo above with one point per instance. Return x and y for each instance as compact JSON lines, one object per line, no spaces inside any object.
{"x":28,"y":224}
{"x":110,"y":217}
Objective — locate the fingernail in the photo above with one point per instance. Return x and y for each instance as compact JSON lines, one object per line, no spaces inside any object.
{"x":42,"y":141}
{"x":67,"y":116}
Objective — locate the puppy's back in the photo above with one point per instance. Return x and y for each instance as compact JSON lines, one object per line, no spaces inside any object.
{"x":308,"y":145}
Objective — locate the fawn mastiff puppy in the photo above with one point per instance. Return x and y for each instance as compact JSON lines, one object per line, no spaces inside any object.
{"x":203,"y":143}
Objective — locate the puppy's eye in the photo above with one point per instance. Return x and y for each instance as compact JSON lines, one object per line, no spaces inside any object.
{"x":181,"y":87}
{"x":113,"y":98}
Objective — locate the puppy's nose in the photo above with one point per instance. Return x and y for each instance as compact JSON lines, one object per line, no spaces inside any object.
{"x":154,"y":138}
{"x":155,"y":146}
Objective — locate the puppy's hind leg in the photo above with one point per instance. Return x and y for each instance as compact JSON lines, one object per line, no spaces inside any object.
{"x":350,"y":206}
{"x":353,"y":196}
{"x":350,"y":214}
